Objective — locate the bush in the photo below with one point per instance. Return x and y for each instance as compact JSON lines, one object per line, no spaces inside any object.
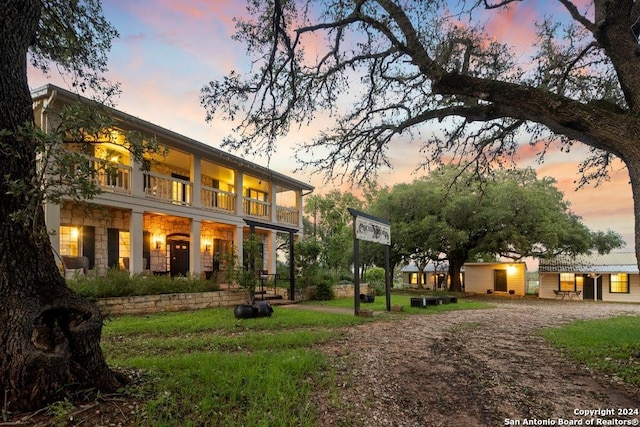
{"x":119,"y":283}
{"x":345,"y":278}
{"x":324,"y":288}
{"x":375,"y":278}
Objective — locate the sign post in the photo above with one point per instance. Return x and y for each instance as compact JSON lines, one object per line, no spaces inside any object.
{"x":371,"y":229}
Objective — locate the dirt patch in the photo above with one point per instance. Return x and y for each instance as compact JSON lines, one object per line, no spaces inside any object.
{"x":469,"y":368}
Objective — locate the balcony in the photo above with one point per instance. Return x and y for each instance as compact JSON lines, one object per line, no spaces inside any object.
{"x":287,"y":215}
{"x":257,"y":202}
{"x":215,"y":199}
{"x":166,"y":188}
{"x":256,"y":208}
{"x":109,"y":176}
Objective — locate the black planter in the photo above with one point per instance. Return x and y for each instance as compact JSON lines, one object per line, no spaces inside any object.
{"x":246,"y":311}
{"x":371,"y":298}
{"x":264,"y":309}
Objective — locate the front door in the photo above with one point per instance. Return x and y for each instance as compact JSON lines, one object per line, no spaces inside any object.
{"x":179,"y":251}
{"x":587,"y":290}
{"x":500,"y":280}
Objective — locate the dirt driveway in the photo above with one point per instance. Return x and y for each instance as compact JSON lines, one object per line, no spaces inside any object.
{"x":471,"y":368}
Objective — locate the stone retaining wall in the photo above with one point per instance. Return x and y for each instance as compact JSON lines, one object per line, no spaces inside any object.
{"x":171,"y":302}
{"x":194,"y":301}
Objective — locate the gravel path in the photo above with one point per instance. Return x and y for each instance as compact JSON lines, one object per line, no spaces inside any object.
{"x":470,"y":368}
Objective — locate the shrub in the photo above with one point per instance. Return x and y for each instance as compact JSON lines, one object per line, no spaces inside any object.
{"x":324,"y":288}
{"x":375,"y":278}
{"x":345,"y":278}
{"x":119,"y":283}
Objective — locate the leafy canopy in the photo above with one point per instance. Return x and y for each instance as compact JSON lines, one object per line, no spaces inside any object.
{"x":452,"y":214}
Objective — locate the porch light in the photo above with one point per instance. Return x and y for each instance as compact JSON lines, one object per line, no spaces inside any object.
{"x":511,"y":269}
{"x":158,"y":241}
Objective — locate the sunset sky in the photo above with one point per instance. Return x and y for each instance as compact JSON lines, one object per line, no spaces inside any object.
{"x":168,"y":50}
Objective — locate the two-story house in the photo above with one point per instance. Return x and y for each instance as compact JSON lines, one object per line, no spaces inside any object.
{"x":194,"y":204}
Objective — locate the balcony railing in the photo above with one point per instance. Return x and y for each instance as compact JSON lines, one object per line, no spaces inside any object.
{"x":167,"y":188}
{"x":118,"y":178}
{"x":109,"y":176}
{"x":212,"y":198}
{"x":256,"y":208}
{"x":287,"y":215}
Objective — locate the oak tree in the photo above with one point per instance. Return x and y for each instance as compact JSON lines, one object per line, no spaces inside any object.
{"x":390,"y":70}
{"x":508,"y":214}
{"x":49,"y":336}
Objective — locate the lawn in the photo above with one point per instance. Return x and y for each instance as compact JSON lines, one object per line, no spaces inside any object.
{"x":380,"y":304}
{"x":208,"y":368}
{"x":611,"y":346}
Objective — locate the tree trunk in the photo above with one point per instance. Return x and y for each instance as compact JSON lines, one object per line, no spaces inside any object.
{"x":49,"y":337}
{"x":455,"y":265}
{"x":633,"y":166}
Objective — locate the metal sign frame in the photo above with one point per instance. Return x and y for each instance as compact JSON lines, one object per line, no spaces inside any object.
{"x":371,"y":229}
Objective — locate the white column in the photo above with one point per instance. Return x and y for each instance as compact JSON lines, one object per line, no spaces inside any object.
{"x":274,"y":203}
{"x":238,"y":243}
{"x":272,"y":258}
{"x":196,"y":178}
{"x":136,"y":237}
{"x":299,"y":205}
{"x":194,"y":247}
{"x":239,"y":194}
{"x":137,"y":180}
{"x":52,"y":220}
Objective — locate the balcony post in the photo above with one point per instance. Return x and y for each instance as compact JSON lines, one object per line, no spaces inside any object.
{"x":274,"y":202}
{"x":239,"y":195}
{"x":137,"y":180}
{"x":299,"y":205}
{"x":196,"y":179}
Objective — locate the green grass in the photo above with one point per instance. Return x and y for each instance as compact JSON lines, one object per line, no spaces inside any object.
{"x":611,"y":346}
{"x":380,"y":304}
{"x":208,"y":368}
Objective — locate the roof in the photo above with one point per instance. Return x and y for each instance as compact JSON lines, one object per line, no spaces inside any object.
{"x":49,"y":90}
{"x":412,"y":268}
{"x":614,"y":262}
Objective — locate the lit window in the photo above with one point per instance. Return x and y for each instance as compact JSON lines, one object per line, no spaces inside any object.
{"x":69,"y":237}
{"x":567,"y":282}
{"x":123,"y":247}
{"x":619,"y":283}
{"x":413,"y":277}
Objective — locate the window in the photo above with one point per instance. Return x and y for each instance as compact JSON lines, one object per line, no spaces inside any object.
{"x":619,"y":283}
{"x":69,"y":241}
{"x":567,"y":282}
{"x":413,"y":278}
{"x":123,"y":248}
